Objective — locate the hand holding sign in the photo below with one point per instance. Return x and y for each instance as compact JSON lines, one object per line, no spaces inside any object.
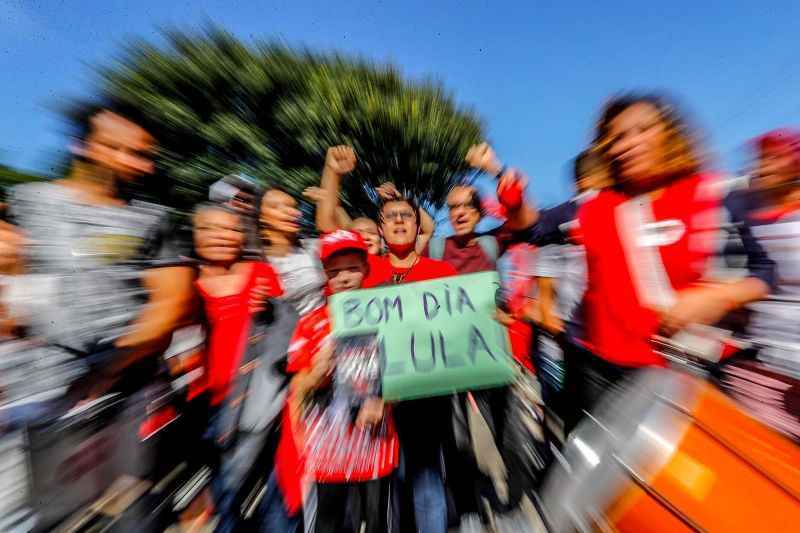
{"x":371,"y":413}
{"x":437,"y":337}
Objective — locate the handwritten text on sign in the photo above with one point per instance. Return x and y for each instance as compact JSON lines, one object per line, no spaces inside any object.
{"x":438,"y":336}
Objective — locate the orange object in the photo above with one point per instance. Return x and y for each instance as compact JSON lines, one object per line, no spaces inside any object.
{"x":685,"y":458}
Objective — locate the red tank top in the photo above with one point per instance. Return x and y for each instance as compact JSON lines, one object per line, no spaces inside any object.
{"x":229,"y":323}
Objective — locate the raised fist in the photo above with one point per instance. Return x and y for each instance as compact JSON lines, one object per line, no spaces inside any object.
{"x":482,"y":156}
{"x":340,"y":159}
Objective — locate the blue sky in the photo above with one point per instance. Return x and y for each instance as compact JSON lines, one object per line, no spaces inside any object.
{"x":537,"y":72}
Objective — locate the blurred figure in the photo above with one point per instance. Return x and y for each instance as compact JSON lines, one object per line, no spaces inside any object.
{"x":102,"y":291}
{"x":465,"y":250}
{"x":295,"y":259}
{"x":241,"y":194}
{"x":80,"y":233}
{"x":368,"y":230}
{"x":649,"y":239}
{"x":561,"y":282}
{"x":768,"y":386}
{"x":469,"y":474}
{"x":244,"y":343}
{"x":347,"y":453}
{"x":468,"y":251}
{"x":237,"y":191}
{"x":11,"y":250}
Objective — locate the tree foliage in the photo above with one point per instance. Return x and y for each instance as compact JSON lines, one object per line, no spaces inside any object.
{"x":217,"y":106}
{"x":11,"y":176}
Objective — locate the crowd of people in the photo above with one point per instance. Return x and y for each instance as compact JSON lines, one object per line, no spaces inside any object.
{"x":100,"y":293}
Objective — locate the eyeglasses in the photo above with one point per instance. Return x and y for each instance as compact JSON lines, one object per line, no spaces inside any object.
{"x":404,"y":215}
{"x":465,"y":205}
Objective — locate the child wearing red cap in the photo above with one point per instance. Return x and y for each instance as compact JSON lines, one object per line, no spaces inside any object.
{"x":344,"y":430}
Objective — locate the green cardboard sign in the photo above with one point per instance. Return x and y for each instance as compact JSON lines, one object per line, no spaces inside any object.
{"x":437,"y":337}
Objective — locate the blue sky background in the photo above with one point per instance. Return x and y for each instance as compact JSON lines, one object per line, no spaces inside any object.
{"x":536,"y":72}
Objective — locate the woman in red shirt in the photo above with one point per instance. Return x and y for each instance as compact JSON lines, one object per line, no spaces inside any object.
{"x":226,"y":283}
{"x":649,"y":241}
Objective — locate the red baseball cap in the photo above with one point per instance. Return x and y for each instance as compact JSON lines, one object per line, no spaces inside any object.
{"x":781,"y":141}
{"x":339,"y":241}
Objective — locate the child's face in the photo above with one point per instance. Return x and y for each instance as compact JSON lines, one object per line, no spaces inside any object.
{"x":368,"y":230}
{"x":346,"y":271}
{"x":218,"y":236}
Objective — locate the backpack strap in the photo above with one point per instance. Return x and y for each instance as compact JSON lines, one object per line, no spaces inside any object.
{"x":436,"y":248}
{"x":489,"y":246}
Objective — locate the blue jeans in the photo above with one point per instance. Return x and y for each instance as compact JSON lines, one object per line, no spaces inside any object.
{"x":273,"y":515}
{"x":235,"y":463}
{"x":430,"y":503}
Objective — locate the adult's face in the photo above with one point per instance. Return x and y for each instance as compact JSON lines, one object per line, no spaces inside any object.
{"x":776,"y":167}
{"x":218,"y":236}
{"x":279,"y":213}
{"x":464,"y":216}
{"x":119,"y":145}
{"x":636,"y":143}
{"x":345,"y":271}
{"x":399,"y":225}
{"x":369,"y":231}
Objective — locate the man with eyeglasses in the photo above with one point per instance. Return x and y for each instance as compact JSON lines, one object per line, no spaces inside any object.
{"x":466,"y":250}
{"x":422,"y":425}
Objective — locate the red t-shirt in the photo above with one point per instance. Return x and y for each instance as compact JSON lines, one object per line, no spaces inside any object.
{"x":229,"y":323}
{"x":379,"y":270}
{"x":424,"y":269}
{"x":638,"y":250}
{"x":331,"y":463}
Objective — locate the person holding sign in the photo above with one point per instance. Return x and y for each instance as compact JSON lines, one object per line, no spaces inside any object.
{"x":347,"y":432}
{"x":422,"y":424}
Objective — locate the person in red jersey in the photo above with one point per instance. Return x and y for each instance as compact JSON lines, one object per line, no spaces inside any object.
{"x":650,"y":240}
{"x":347,"y":433}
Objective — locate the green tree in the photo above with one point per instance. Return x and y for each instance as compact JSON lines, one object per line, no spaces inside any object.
{"x":219,"y":106}
{"x":11,"y":176}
